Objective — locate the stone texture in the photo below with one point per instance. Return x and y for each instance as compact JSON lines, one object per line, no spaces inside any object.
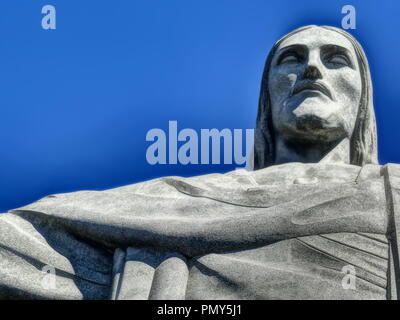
{"x":170,"y":280}
{"x":339,"y":216}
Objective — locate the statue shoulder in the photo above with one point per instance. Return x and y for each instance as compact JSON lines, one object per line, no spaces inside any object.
{"x":392,"y":170}
{"x":391,"y":174}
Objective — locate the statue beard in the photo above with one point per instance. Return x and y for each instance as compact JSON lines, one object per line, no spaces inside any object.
{"x":313,"y":129}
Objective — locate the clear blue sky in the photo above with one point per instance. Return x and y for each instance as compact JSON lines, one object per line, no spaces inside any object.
{"x":76,"y":102}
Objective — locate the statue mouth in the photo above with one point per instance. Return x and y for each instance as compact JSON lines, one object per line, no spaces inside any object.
{"x":312,"y":86}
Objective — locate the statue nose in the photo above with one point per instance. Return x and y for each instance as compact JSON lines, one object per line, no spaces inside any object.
{"x":312,"y":72}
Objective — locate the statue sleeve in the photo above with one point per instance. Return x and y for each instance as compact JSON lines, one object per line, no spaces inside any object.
{"x":40,"y":260}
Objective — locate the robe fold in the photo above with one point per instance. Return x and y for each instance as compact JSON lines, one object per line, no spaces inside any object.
{"x":293,"y":231}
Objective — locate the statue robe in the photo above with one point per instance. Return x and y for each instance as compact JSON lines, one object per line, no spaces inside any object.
{"x":205,"y":238}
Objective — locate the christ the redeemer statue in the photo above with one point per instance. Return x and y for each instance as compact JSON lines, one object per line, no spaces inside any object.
{"x":316,"y":219}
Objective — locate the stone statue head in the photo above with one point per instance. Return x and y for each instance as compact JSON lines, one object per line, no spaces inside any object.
{"x":316,"y":89}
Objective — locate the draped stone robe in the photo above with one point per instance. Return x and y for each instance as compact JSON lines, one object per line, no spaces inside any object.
{"x":217,"y":236}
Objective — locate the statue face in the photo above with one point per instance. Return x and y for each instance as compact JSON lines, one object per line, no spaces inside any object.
{"x":315,"y":86}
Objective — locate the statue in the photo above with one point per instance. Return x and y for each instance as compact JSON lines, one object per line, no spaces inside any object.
{"x":316,"y":219}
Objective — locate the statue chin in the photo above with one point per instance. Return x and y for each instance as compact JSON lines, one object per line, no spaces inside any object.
{"x":312,"y":128}
{"x":306,"y":121}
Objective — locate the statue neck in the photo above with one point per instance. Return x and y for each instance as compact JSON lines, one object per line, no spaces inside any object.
{"x":337,"y":152}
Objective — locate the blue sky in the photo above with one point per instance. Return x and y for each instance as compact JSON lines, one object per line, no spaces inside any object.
{"x":76,"y":102}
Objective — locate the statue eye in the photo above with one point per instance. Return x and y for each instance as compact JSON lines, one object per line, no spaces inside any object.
{"x":339,"y":60}
{"x":291,"y":58}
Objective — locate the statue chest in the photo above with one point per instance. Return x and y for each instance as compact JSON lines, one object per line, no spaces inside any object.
{"x":334,"y":266}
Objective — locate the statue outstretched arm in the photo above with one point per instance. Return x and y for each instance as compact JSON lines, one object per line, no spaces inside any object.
{"x":187,"y":220}
{"x":78,"y":233}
